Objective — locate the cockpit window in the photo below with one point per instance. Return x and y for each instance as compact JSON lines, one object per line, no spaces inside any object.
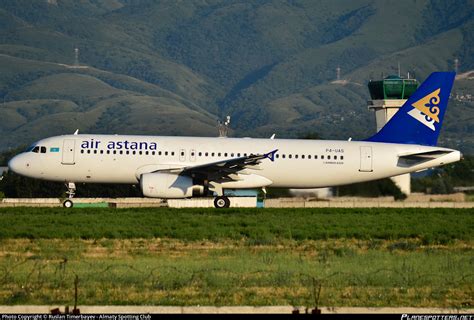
{"x":38,"y":149}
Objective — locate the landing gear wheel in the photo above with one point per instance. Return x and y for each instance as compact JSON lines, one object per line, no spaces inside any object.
{"x":221,"y":202}
{"x":68,"y":204}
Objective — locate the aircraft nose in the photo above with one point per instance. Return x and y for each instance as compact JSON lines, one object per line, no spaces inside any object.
{"x":18,"y":164}
{"x":13,"y":164}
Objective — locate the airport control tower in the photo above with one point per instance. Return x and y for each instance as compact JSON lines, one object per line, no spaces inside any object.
{"x":389,"y":95}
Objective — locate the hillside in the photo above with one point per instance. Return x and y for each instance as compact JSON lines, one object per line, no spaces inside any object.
{"x":169,"y":67}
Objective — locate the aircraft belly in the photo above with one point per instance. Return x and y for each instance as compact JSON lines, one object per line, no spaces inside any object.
{"x":309,"y":175}
{"x":248,"y":182}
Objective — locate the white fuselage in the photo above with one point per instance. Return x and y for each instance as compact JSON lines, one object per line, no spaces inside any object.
{"x":297,"y":164}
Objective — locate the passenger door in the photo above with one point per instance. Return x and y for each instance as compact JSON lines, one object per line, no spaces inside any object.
{"x":366,"y":159}
{"x":68,"y":151}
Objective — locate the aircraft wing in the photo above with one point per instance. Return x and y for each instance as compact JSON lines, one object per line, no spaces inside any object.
{"x":224,"y":169}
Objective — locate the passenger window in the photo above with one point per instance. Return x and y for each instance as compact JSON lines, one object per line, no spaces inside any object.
{"x":238,"y":154}
{"x":166,"y":153}
{"x":296,"y":156}
{"x":153,"y":153}
{"x":290,"y":156}
{"x":192,"y":154}
{"x":342,"y":158}
{"x":322,"y":157}
{"x":283,"y":156}
{"x":146,"y":152}
{"x":219,"y":154}
{"x":115,"y":151}
{"x":245,"y":154}
{"x":335,"y":157}
{"x":88,"y":151}
{"x":140,"y":153}
{"x":225,"y":154}
{"x":159,"y":153}
{"x":95,"y":151}
{"x":329,"y":157}
{"x":232,"y":154}
{"x":277,"y":156}
{"x":121,"y":152}
{"x":101,"y":151}
{"x":82,"y":151}
{"x":172,"y":153}
{"x":128,"y":152}
{"x":206,"y":154}
{"x":182,"y":153}
{"x":200,"y":154}
{"x":315,"y":157}
{"x":134,"y":152}
{"x":108,"y":151}
{"x":309,"y":156}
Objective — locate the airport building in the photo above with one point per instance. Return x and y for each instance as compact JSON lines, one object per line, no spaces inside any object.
{"x":387,"y":97}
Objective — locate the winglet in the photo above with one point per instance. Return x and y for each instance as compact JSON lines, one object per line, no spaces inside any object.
{"x":271,"y":155}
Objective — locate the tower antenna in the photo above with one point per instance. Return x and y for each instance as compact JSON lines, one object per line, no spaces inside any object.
{"x":76,"y":57}
{"x":223,"y":127}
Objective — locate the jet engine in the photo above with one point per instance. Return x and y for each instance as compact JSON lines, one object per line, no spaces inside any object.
{"x":166,"y":185}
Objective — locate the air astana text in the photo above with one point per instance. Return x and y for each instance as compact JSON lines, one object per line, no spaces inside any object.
{"x":119,"y":145}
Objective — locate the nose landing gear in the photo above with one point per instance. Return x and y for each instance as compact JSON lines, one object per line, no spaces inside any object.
{"x":71,"y":191}
{"x":68,"y":204}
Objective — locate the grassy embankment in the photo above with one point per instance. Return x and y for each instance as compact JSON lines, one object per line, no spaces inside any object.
{"x":358,"y":257}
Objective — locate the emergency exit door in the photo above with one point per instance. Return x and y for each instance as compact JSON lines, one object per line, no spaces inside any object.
{"x":366,"y":159}
{"x":68,"y":151}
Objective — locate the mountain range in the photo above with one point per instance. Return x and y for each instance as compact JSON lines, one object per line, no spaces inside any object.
{"x":177,"y":67}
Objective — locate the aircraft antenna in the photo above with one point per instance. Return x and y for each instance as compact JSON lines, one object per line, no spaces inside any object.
{"x":338,"y":73}
{"x":456,"y":65}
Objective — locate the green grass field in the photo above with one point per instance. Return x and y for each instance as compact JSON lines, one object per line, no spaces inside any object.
{"x":255,"y":225}
{"x":347,"y":257}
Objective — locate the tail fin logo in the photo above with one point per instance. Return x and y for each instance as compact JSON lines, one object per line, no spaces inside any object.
{"x":427,"y":109}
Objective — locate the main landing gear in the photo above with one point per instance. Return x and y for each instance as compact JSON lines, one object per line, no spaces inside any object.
{"x":71,"y":191}
{"x":221,"y":202}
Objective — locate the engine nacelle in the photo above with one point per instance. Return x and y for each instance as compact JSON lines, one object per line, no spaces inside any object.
{"x":166,"y":185}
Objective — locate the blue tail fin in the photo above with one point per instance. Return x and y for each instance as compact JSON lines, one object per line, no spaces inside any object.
{"x":419,"y":120}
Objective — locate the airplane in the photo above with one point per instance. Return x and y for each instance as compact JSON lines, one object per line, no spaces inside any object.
{"x":183,"y":167}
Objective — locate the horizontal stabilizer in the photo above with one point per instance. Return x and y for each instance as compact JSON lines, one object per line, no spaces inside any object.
{"x":412,"y":159}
